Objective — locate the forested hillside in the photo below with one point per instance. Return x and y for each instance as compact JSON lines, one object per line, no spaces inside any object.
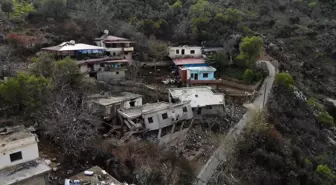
{"x":299,"y":146}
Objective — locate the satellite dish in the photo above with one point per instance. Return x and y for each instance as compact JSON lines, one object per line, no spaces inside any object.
{"x":106,"y":32}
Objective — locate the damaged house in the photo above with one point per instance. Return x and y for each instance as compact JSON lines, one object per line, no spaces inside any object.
{"x":157,"y":119}
{"x":202,"y":99}
{"x":19,"y":160}
{"x":107,"y":105}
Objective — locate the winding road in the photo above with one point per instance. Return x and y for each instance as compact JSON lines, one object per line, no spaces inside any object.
{"x":223,"y":151}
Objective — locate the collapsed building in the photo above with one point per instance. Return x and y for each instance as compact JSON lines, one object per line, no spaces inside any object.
{"x":202,"y":99}
{"x":107,"y":105}
{"x":160,"y":118}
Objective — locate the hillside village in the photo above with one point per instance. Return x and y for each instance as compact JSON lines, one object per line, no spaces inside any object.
{"x":174,"y":102}
{"x":194,"y":97}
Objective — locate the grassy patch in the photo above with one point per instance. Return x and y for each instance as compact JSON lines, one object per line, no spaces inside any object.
{"x":233,"y":71}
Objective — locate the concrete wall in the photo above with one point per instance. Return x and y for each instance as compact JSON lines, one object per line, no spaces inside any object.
{"x":151,"y":126}
{"x":111,"y":110}
{"x":126,"y":104}
{"x":83,"y":68}
{"x":187,"y":52}
{"x":180,"y":115}
{"x":211,"y":75}
{"x":28,"y":148}
{"x":174,"y":114}
{"x":36,"y":180}
{"x":111,"y":75}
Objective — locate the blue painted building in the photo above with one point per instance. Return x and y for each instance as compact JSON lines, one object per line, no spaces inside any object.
{"x":199,"y":73}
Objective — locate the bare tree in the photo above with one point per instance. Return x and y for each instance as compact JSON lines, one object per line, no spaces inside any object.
{"x":94,"y":14}
{"x":158,"y":49}
{"x":6,"y":66}
{"x":69,"y":122}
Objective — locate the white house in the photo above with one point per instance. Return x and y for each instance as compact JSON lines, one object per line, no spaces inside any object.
{"x":19,"y":159}
{"x":156,"y":116}
{"x":185,"y":52}
{"x":202,"y":99}
{"x":116,"y":46}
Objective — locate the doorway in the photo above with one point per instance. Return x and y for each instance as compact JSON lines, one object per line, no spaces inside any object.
{"x":196,"y":76}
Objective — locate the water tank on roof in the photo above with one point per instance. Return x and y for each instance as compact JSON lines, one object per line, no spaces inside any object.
{"x":72,"y":42}
{"x":106,"y":32}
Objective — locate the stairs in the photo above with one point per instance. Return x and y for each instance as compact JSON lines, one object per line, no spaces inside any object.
{"x":125,"y":137}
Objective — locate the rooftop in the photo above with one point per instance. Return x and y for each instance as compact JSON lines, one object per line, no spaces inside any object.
{"x":99,"y":175}
{"x":200,"y":68}
{"x":23,"y":171}
{"x":146,"y":108}
{"x":200,"y":96}
{"x":111,"y":38}
{"x":10,"y":134}
{"x":109,"y":100}
{"x":72,"y":46}
{"x":185,"y":46}
{"x":184,"y":61}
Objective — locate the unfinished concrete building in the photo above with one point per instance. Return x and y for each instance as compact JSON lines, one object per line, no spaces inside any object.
{"x":160,"y":118}
{"x":202,"y":99}
{"x":107,"y":105}
{"x":19,"y":159}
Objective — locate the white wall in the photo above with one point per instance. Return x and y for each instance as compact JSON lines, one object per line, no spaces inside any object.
{"x":180,"y":115}
{"x":151,"y":126}
{"x":159,"y":122}
{"x":83,"y":68}
{"x":187,"y":51}
{"x":28,"y":149}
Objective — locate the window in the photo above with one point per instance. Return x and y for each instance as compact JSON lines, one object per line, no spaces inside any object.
{"x":164,"y":116}
{"x":102,"y":65}
{"x":184,"y":109}
{"x":114,"y":45}
{"x":117,"y":73}
{"x":150,"y":120}
{"x":15,"y":156}
{"x":192,"y":75}
{"x":177,"y":51}
{"x":192,"y":51}
{"x":132,"y":103}
{"x":182,"y":51}
{"x":205,"y":75}
{"x":199,"y":111}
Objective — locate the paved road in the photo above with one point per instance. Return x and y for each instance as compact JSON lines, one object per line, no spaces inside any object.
{"x":222,"y":152}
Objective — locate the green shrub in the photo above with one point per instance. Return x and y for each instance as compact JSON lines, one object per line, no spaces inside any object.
{"x":248,"y":76}
{"x":313,"y":4}
{"x":21,"y":9}
{"x":313,"y":102}
{"x":325,"y":119}
{"x":250,"y":48}
{"x":284,"y":79}
{"x":177,"y":5}
{"x":325,"y":172}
